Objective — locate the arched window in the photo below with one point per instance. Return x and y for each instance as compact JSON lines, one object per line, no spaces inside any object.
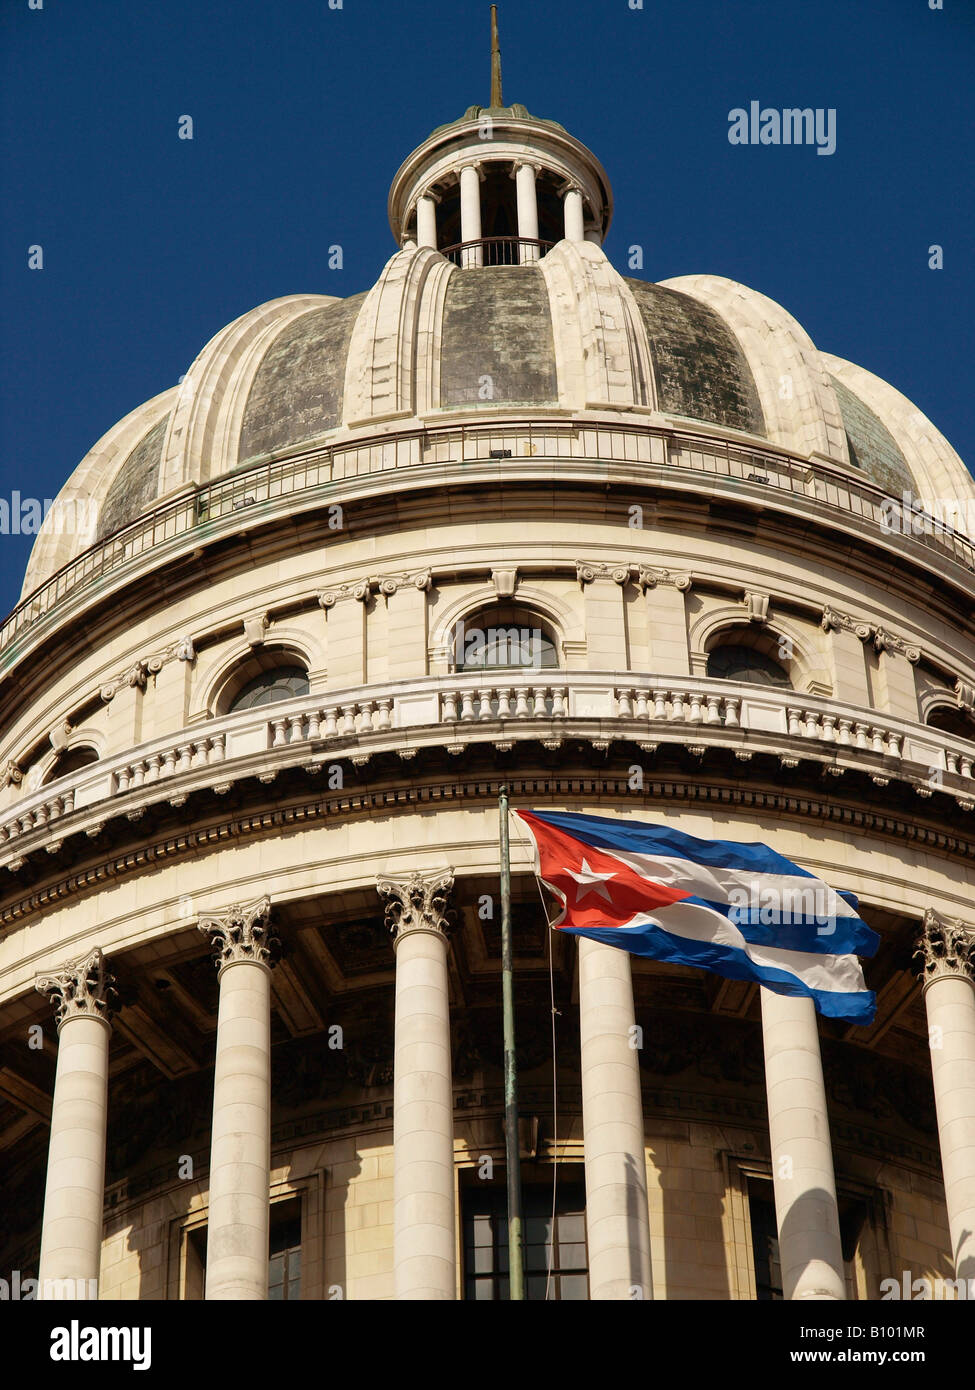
{"x":731,"y":662}
{"x":268,"y":675}
{"x":279,"y":683}
{"x":504,"y":637}
{"x":71,"y":760}
{"x":949,"y":720}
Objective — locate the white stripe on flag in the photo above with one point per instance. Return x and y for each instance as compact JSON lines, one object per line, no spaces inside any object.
{"x":717,"y":884}
{"x":694,"y":922}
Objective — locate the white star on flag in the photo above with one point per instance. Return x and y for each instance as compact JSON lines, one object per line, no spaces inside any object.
{"x":590,"y":882}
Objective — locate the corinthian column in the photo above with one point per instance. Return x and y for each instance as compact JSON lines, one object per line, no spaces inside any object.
{"x":74,"y":1197}
{"x":424,"y":1234}
{"x":617,"y":1222}
{"x":948,"y":950}
{"x":240,"y":1141}
{"x":810,"y":1251}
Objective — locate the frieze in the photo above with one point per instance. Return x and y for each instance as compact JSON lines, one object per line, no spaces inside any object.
{"x":474,"y":789}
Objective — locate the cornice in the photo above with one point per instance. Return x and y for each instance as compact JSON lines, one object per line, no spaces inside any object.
{"x":431,"y":789}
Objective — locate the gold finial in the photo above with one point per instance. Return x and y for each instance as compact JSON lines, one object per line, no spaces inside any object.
{"x":496,"y":98}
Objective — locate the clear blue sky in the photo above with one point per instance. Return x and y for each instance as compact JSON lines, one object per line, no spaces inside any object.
{"x":303,"y":113}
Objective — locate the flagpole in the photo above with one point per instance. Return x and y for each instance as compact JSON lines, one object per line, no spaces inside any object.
{"x":516,"y":1272}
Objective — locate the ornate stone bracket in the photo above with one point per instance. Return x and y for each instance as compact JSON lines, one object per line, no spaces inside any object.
{"x":964,"y":695}
{"x":947,"y":946}
{"x":885,"y":641}
{"x":241,"y":933}
{"x":646,"y":576}
{"x":59,"y":735}
{"x":418,"y":903}
{"x":80,"y":989}
{"x":255,"y":628}
{"x":386,"y":584}
{"x":11,"y":774}
{"x":756,"y":605}
{"x":878,"y":637}
{"x":505,"y":582}
{"x":180,"y":650}
{"x":134,"y":678}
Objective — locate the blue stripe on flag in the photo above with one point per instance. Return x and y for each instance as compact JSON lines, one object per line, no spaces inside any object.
{"x":652,"y":941}
{"x":637,"y":837}
{"x":834,"y":936}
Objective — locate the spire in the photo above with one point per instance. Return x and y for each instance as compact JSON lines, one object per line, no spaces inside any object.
{"x":496,"y":98}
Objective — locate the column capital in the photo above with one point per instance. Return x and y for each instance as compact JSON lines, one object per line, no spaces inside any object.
{"x":240,"y":933}
{"x":417,"y":903}
{"x":80,"y":989}
{"x":947,"y":945}
{"x":531,"y":164}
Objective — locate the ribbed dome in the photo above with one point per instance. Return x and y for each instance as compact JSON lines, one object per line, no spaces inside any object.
{"x":563,"y":335}
{"x":515,"y":112}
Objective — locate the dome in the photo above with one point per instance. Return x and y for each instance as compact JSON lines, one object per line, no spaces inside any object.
{"x":564,"y":334}
{"x":515,"y":112}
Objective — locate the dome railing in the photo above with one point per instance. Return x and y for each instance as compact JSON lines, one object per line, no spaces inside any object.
{"x":454,"y":711}
{"x":315,"y":477}
{"x":497,"y":250}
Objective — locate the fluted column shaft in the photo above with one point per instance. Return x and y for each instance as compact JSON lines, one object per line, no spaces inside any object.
{"x":617,"y":1220}
{"x":424,"y":1232}
{"x":810,"y":1251}
{"x":949,"y":998}
{"x":240,"y":1141}
{"x":74,"y":1195}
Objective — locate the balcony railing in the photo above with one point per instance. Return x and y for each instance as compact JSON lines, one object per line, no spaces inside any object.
{"x":301,"y":482}
{"x":455,"y":711}
{"x":497,"y":250}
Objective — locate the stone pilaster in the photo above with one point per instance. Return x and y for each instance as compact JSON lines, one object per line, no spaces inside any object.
{"x":947,"y":948}
{"x":424,"y":1236}
{"x":810,"y":1251}
{"x":74,"y":1197}
{"x":240,"y":1143}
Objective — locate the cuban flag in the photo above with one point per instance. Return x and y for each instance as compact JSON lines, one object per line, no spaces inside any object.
{"x":739,"y":910}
